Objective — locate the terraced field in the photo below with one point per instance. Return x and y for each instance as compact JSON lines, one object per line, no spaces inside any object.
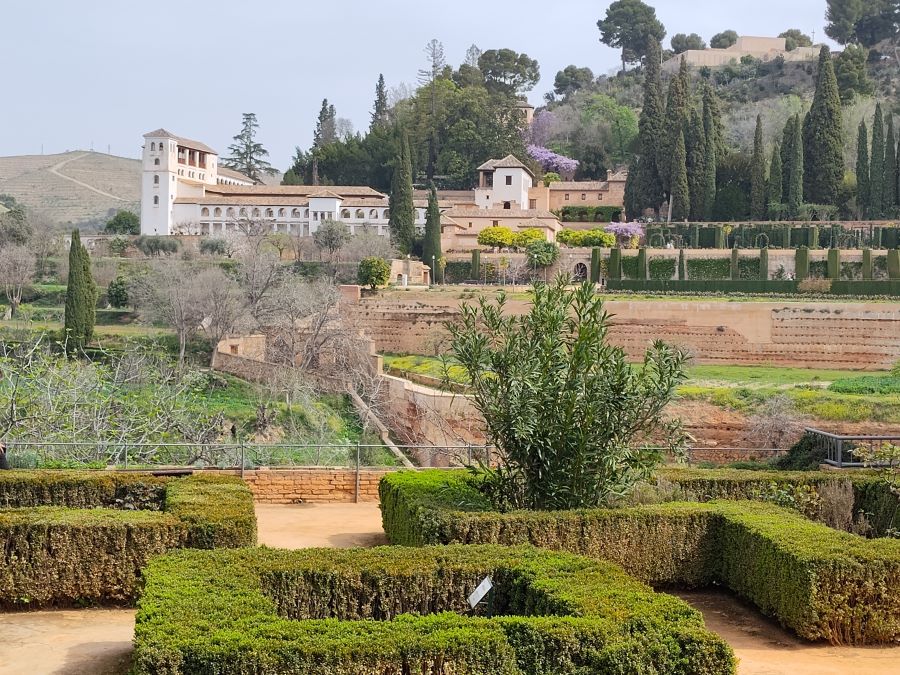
{"x":73,"y":187}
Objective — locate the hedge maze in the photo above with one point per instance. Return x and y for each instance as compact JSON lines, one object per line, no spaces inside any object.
{"x":73,"y":538}
{"x":403,"y":610}
{"x":821,"y":583}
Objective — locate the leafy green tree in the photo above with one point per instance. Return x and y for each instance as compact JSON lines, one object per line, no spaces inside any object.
{"x":326,"y":126}
{"x":380,"y":111}
{"x":787,"y":156}
{"x":889,"y":189}
{"x":696,"y":163}
{"x":774,"y":192}
{"x":246,"y":154}
{"x":682,"y":43}
{"x":572,"y":79}
{"x":714,"y":155}
{"x":723,"y":40}
{"x":117,"y":292}
{"x":551,"y":177}
{"x":570,"y":417}
{"x":431,"y":247}
{"x":863,"y":191}
{"x":402,"y":222}
{"x":795,"y":184}
{"x":81,"y":298}
{"x":758,"y":206}
{"x":541,"y":253}
{"x":154,"y":247}
{"x":867,"y":22}
{"x":496,"y":237}
{"x":124,"y":222}
{"x":14,"y":226}
{"x":632,"y":26}
{"x":842,"y":16}
{"x":680,"y":192}
{"x":876,"y":166}
{"x":291,"y":177}
{"x":530,"y":234}
{"x":373,"y":272}
{"x":851,"y":71}
{"x":677,"y":111}
{"x":794,"y":38}
{"x":508,"y":72}
{"x":823,"y":141}
{"x":648,"y":188}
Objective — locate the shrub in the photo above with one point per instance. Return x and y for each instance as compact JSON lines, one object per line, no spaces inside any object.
{"x":214,"y":246}
{"x":578,"y":238}
{"x":708,"y":268}
{"x":357,"y":612}
{"x":662,"y":268}
{"x":373,"y":272}
{"x":117,"y":292}
{"x":124,"y":222}
{"x":591,"y":214}
{"x":821,"y":583}
{"x":496,"y":237}
{"x":541,"y":253}
{"x":528,"y":235}
{"x":156,"y":246}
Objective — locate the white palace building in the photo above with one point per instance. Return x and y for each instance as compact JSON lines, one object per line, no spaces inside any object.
{"x":186,"y":192}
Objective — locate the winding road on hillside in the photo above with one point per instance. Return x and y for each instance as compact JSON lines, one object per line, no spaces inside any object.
{"x":55,"y":171}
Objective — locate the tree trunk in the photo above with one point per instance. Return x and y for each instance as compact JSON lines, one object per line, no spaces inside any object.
{"x":182,"y":344}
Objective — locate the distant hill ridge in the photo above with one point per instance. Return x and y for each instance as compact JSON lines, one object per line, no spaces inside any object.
{"x":76,"y":188}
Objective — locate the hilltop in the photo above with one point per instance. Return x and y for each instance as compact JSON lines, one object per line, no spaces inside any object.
{"x":77,"y":188}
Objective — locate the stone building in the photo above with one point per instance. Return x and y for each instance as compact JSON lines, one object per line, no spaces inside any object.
{"x":761,"y":48}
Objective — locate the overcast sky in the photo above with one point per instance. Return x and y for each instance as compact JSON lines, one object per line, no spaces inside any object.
{"x":104,"y":72}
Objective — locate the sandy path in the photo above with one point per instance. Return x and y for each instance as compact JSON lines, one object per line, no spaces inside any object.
{"x":319,"y":525}
{"x":55,"y":171}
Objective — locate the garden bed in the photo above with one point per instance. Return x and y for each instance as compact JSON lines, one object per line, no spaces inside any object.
{"x":819,"y":582}
{"x":403,"y":610}
{"x":73,"y":538}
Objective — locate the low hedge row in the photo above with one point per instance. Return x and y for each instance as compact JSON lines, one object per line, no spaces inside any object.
{"x":403,"y":610}
{"x":819,"y":582}
{"x":76,"y":550}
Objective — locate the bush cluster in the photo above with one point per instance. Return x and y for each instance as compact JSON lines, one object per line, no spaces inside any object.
{"x":590,"y":214}
{"x":817,"y":581}
{"x":581,"y":238}
{"x":73,"y":537}
{"x":393,"y":610}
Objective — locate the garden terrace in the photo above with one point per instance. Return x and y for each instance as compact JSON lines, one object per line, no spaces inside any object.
{"x":403,"y":610}
{"x":80,"y":537}
{"x":821,"y":583}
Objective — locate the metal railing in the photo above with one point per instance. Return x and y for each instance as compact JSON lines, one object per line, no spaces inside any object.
{"x":844,"y":451}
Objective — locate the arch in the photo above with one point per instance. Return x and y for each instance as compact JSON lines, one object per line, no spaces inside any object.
{"x":153,"y":147}
{"x":345,"y":214}
{"x":281,"y":213}
{"x":270,"y":213}
{"x":580,"y":272}
{"x":156,"y":179}
{"x":204,"y":212}
{"x":295,"y":213}
{"x":256,"y":213}
{"x":156,"y":162}
{"x":156,"y":201}
{"x":306,"y":213}
{"x":217,"y":212}
{"x":229,"y":212}
{"x":243,"y":212}
{"x":373,"y":214}
{"x":360,"y":214}
{"x":386,"y":214}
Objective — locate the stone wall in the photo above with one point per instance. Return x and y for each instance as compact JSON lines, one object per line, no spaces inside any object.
{"x":315,"y":485}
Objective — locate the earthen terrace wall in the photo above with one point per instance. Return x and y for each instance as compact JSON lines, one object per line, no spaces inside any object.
{"x":318,"y":485}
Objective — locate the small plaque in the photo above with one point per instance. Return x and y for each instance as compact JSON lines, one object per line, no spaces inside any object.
{"x":478,"y":594}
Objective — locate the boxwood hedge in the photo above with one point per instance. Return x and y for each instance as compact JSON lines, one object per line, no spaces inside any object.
{"x":819,"y":582}
{"x":403,"y":610}
{"x":83,"y":537}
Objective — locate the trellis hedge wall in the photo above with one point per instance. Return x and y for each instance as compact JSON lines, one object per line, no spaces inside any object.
{"x":773,"y":235}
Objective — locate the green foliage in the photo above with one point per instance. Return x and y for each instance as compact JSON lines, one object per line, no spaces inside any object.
{"x":632,"y":26}
{"x":117,"y":292}
{"x":541,"y":253}
{"x":889,"y":189}
{"x":373,"y":272}
{"x":542,"y":384}
{"x":758,"y":202}
{"x":876,"y":167}
{"x":402,"y":210}
{"x":695,"y":140}
{"x":774,"y":187}
{"x":590,"y":214}
{"x":214,"y":247}
{"x":431,"y":247}
{"x":647,"y":189}
{"x":551,"y":177}
{"x":81,"y":297}
{"x":595,"y":237}
{"x":867,"y":384}
{"x":496,"y":237}
{"x":863,"y":191}
{"x":675,"y":122}
{"x":615,"y":263}
{"x":795,"y":169}
{"x":662,"y":268}
{"x":801,"y":263}
{"x":821,"y":583}
{"x":596,"y":265}
{"x":680,"y":192}
{"x":154,"y":246}
{"x":834,"y":264}
{"x":850,"y":69}
{"x":682,"y":43}
{"x":361,"y":611}
{"x":530,"y":234}
{"x":217,"y":510}
{"x":246,"y":154}
{"x":724,"y":39}
{"x":124,"y":222}
{"x":708,"y":268}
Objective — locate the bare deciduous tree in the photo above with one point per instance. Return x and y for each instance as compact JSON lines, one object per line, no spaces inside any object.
{"x":368,"y":244}
{"x":46,"y":240}
{"x":260,"y":262}
{"x":17,"y":265}
{"x":302,"y":321}
{"x":222,"y":303}
{"x":775,"y":425}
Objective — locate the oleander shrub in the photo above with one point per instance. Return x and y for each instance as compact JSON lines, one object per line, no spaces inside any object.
{"x":77,"y":537}
{"x":403,"y":610}
{"x":819,"y":582}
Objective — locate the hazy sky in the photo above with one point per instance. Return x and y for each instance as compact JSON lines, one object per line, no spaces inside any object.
{"x":104,"y":72}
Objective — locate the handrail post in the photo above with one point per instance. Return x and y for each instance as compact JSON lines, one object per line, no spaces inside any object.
{"x":243,"y":461}
{"x":356,"y":488}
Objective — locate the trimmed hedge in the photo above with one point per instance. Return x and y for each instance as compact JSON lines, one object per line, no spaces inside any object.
{"x":399,"y":610}
{"x":819,"y":582}
{"x":63,"y":545}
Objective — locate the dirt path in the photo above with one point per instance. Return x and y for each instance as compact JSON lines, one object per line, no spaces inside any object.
{"x":319,"y":525}
{"x":55,"y":171}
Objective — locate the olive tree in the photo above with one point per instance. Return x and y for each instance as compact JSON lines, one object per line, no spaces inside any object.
{"x":575,"y":424}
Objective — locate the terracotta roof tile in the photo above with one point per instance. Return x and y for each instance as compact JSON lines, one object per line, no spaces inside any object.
{"x":187,"y":142}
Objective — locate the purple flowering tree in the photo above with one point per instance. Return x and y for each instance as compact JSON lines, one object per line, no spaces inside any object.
{"x":551,"y":161}
{"x":542,"y":128}
{"x":626,"y":233}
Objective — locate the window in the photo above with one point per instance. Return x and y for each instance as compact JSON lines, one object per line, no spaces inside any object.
{"x":306,"y":213}
{"x":532,"y":204}
{"x":243,"y":212}
{"x":233,"y":348}
{"x":373,"y":214}
{"x":507,"y":205}
{"x":156,"y":201}
{"x":295,"y":213}
{"x":509,"y":180}
{"x":600,"y":197}
{"x":281,"y":213}
{"x":386,"y":215}
{"x":256,"y":213}
{"x":153,"y":147}
{"x":496,"y":223}
{"x":345,"y":213}
{"x":156,"y":162}
{"x":218,"y":212}
{"x":156,"y":180}
{"x":360,"y":214}
{"x":204,"y":212}
{"x":567,"y":196}
{"x":229,"y":212}
{"x":270,"y":213}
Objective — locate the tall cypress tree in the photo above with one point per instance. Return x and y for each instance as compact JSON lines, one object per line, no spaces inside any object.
{"x":696,"y":163}
{"x":431,"y":247}
{"x":775,"y":189}
{"x":787,"y":154}
{"x":862,"y":171}
{"x":81,"y":297}
{"x":889,"y":191}
{"x":758,"y":175}
{"x":402,"y":222}
{"x":380,"y":111}
{"x":648,"y":187}
{"x":675,"y":122}
{"x":712,"y":128}
{"x":795,"y":185}
{"x":876,"y":166}
{"x":680,"y":192}
{"x":823,"y":142}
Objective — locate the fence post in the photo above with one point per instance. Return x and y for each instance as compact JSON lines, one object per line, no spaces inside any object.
{"x":126,"y":456}
{"x":243,"y":462}
{"x":356,"y":488}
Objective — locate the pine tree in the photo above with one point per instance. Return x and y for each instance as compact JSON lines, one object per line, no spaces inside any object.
{"x":889,"y":191}
{"x":402,"y":222}
{"x":648,"y":187}
{"x":431,"y":247}
{"x":680,"y":192}
{"x":775,"y":190}
{"x":326,"y":129}
{"x":862,"y":171}
{"x":823,"y":142}
{"x":712,"y":128}
{"x":81,"y":297}
{"x":380,"y":112}
{"x":696,"y":163}
{"x":876,"y":166}
{"x":676,"y":118}
{"x":758,"y":175}
{"x":795,"y":185}
{"x":246,"y":155}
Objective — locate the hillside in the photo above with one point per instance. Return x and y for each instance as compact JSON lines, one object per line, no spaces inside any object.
{"x":74,"y":187}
